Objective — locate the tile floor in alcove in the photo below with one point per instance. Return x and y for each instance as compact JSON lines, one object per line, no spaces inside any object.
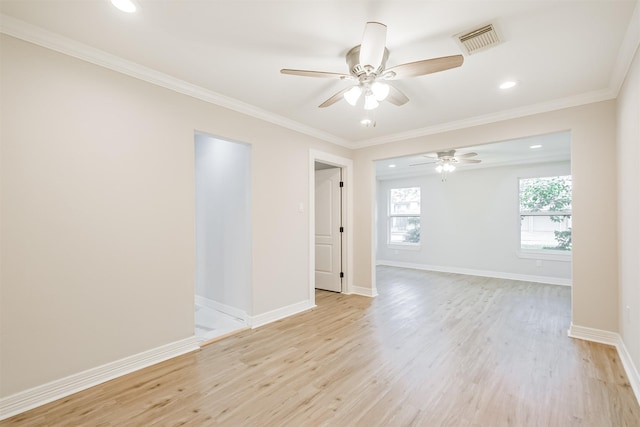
{"x":211,"y":323}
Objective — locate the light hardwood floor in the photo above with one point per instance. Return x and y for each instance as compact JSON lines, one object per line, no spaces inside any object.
{"x":432,"y":349}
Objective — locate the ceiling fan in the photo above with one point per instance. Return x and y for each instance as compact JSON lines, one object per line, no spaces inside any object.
{"x":446,"y":160}
{"x":367,"y":69}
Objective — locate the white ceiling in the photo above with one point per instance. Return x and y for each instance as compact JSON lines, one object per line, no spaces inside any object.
{"x":230,"y":52}
{"x":548,"y":148}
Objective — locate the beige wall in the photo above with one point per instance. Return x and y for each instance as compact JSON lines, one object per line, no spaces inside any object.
{"x":595,"y":289}
{"x":97,"y":214}
{"x":629,"y":209}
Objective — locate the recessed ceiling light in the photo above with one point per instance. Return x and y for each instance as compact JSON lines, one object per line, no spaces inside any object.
{"x":392,"y":166}
{"x":125,"y":5}
{"x":508,"y":84}
{"x":535,"y":146}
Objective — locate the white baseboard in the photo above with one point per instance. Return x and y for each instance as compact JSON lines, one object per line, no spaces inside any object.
{"x":594,"y":335}
{"x":367,"y":292}
{"x":481,"y":273}
{"x":54,"y":390}
{"x":614,"y":339}
{"x":280,"y":313}
{"x":630,"y":368}
{"x":223,"y":308}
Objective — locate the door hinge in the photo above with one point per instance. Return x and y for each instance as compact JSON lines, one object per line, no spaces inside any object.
{"x":342,"y":229}
{"x":341,"y":184}
{"x":341,"y":275}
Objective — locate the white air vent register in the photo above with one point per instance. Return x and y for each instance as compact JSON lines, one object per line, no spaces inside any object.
{"x":478,"y":39}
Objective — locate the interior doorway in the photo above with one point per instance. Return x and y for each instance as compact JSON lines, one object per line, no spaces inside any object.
{"x":505,"y":215}
{"x":345,"y":167}
{"x":329,"y":227}
{"x":222,"y":235}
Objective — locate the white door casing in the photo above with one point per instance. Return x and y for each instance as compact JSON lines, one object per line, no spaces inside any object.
{"x":328,"y":245}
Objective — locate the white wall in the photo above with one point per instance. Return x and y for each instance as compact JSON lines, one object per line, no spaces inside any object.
{"x":98,"y":213}
{"x":223,"y":221}
{"x":471,"y":221}
{"x":628,"y":127}
{"x":593,"y":168}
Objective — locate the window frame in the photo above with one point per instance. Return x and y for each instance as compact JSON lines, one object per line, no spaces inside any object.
{"x":391,"y":216}
{"x":542,"y":254}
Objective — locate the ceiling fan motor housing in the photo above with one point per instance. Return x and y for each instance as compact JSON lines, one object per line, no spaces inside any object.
{"x":447,"y":155}
{"x":356,"y":69}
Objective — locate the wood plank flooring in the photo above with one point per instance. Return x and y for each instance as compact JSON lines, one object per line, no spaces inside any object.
{"x":433,"y":349}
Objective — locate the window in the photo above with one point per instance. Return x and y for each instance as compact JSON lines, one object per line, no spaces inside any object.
{"x":545,"y":213}
{"x":404,"y":216}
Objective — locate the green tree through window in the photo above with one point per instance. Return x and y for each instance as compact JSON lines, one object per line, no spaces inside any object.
{"x":404,"y":215}
{"x":545,"y":211}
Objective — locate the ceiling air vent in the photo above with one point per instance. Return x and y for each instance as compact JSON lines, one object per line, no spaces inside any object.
{"x":478,"y":39}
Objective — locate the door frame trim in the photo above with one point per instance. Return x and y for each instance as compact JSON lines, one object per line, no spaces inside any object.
{"x":347,"y":215}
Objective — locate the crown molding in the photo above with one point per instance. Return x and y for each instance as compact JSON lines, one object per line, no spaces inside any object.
{"x":33,"y":34}
{"x":630,"y":44}
{"x":39,"y":36}
{"x":431,"y":172}
{"x":626,"y":53}
{"x":514,"y":113}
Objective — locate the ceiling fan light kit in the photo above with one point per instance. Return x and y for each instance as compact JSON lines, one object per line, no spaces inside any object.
{"x":367,"y":64}
{"x":446,"y":167}
{"x":380,"y":90}
{"x":373,"y":94}
{"x":352,"y":95}
{"x":446,"y":161}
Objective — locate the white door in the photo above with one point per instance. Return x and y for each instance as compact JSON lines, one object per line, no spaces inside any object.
{"x":328,"y":235}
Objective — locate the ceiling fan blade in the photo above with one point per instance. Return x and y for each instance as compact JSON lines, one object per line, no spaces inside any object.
{"x":423,"y":163}
{"x":396,"y":97}
{"x":335,"y":98}
{"x":374,"y":41}
{"x":321,"y":74}
{"x":426,"y":66}
{"x":469,"y":161}
{"x":465,"y":155}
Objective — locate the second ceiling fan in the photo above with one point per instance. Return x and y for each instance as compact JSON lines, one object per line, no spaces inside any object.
{"x":367,"y":69}
{"x":447,"y":159}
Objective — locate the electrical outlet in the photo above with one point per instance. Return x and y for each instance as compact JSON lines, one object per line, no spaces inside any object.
{"x":627,"y":314}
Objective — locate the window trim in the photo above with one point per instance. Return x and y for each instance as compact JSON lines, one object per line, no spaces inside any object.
{"x":546,"y":213}
{"x":390,"y":216}
{"x":404,"y":246}
{"x":543,"y":254}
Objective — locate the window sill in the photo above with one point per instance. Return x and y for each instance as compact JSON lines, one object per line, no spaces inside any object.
{"x":404,"y":247}
{"x":548,"y":255}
